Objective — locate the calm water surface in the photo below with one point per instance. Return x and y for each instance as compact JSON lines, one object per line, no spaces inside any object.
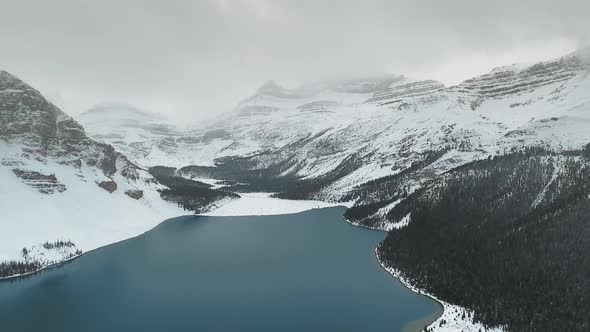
{"x":310,"y":271}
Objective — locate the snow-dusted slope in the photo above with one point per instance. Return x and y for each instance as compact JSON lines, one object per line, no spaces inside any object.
{"x":389,"y":122}
{"x":149,"y":139}
{"x":120,"y":121}
{"x":485,"y":115}
{"x":58,"y":184}
{"x":138,"y":134}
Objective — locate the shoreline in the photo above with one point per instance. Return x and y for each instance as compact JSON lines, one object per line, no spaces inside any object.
{"x":417,"y":325}
{"x":47,"y":267}
{"x":71,"y":259}
{"x":298,"y":206}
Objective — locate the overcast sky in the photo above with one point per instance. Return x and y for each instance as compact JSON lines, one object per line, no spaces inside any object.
{"x":199,"y":58}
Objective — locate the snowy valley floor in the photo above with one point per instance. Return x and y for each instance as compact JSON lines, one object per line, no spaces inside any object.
{"x":261,"y":204}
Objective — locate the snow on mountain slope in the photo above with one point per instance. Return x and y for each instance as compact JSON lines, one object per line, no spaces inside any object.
{"x":84,"y":213}
{"x":149,"y":139}
{"x":545,"y":104}
{"x":123,"y":121}
{"x":58,"y":184}
{"x":387,"y":123}
{"x":137,"y":134}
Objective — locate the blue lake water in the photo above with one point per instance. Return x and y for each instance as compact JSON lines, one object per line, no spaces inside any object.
{"x":310,"y":271}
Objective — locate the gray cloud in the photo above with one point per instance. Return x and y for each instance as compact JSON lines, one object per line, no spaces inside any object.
{"x":198,"y":58}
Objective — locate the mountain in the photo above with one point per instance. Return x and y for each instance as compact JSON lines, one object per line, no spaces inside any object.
{"x":483,"y":187}
{"x":386,"y":131}
{"x":132,"y":131}
{"x":119,"y":121}
{"x":381,"y":126}
{"x":64,"y":192}
{"x":148,"y":139}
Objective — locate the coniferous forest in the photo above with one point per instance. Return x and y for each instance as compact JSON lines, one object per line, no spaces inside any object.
{"x":189,"y":194}
{"x":31,"y":262}
{"x":507,"y":237}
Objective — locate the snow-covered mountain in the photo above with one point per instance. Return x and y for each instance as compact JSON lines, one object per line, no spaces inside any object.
{"x":59,"y":185}
{"x":148,"y":139}
{"x":478,"y":184}
{"x":124,"y":121}
{"x":385,"y":123}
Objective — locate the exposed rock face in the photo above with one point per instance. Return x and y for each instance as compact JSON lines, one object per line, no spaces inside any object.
{"x":405,"y":92}
{"x":45,"y":184}
{"x":354,"y":85}
{"x":24,"y":112}
{"x":257,"y":110}
{"x":318,"y":106}
{"x":28,"y":119}
{"x":214,"y":134}
{"x":135,"y":194}
{"x":71,"y":130}
{"x":507,"y":81}
{"x":109,"y":186}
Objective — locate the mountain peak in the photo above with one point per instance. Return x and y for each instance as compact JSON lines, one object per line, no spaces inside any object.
{"x":364,"y":84}
{"x":359,"y":84}
{"x":269,"y":87}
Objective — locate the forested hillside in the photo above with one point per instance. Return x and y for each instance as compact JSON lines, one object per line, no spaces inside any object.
{"x":507,"y":237}
{"x":193,"y":196}
{"x":245,"y":174}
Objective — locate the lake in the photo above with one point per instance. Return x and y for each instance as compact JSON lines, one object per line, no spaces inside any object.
{"x":310,"y":271}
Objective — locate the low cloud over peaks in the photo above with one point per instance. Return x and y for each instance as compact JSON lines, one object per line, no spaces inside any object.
{"x":199,"y":58}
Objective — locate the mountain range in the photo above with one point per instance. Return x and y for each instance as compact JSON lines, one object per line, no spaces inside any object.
{"x":483,"y":187}
{"x":379,"y":125}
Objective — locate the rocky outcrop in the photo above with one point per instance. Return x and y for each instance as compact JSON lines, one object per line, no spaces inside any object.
{"x":109,"y":186}
{"x":28,"y":119}
{"x":506,"y":81}
{"x":70,"y":130}
{"x":135,"y":194}
{"x":319,"y":106}
{"x":45,"y":184}
{"x":353,"y":85}
{"x":405,"y":92}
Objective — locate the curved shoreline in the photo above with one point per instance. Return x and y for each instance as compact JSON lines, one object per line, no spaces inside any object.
{"x":296,"y":206}
{"x":46,"y":267}
{"x":415,"y":326}
{"x":69,"y":260}
{"x":418,"y":325}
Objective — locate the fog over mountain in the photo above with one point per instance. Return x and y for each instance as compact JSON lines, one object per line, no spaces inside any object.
{"x":457,"y":131}
{"x":196,"y":59}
